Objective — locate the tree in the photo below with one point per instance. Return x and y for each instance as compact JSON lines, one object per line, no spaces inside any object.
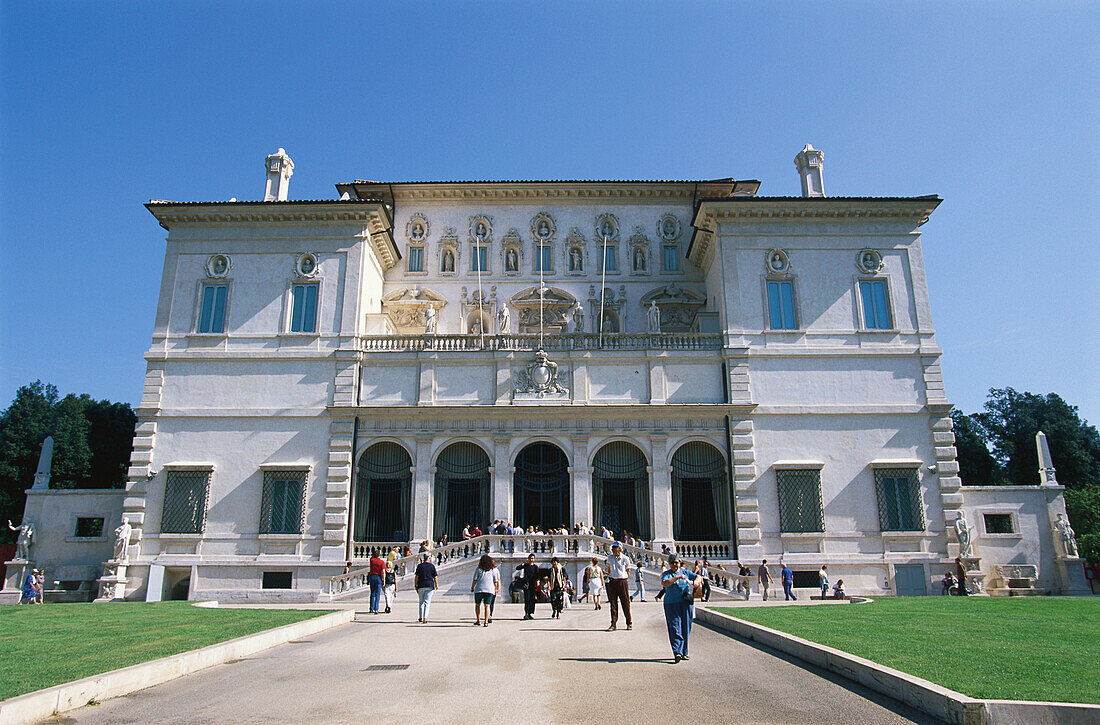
{"x":72,"y":454}
{"x":977,"y":466}
{"x":23,"y":427}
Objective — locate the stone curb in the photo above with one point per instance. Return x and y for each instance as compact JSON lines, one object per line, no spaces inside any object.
{"x":928,"y":697}
{"x":36,"y":706}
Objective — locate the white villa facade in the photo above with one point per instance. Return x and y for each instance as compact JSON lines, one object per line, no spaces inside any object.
{"x":411,"y":357}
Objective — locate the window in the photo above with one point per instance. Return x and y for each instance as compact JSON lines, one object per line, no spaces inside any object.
{"x":185,"y":495}
{"x":544,"y":261}
{"x":876,"y":309}
{"x":281,"y":502}
{"x":416,"y":259}
{"x":303,"y":311}
{"x":611,"y":259}
{"x":999,"y":524}
{"x":88,"y":527}
{"x":899,"y":504}
{"x":800,"y":509}
{"x":276,"y":580}
{"x":212,"y":308}
{"x":670,"y":255}
{"x":781,"y":304}
{"x":480,"y":259}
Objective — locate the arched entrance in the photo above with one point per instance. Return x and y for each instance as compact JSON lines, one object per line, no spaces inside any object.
{"x":700,"y":494}
{"x":620,"y":489}
{"x":461,"y":489}
{"x":540,"y":487}
{"x":383,"y":493}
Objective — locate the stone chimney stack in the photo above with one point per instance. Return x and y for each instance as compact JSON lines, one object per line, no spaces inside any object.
{"x":809,"y":163}
{"x":279,"y":170}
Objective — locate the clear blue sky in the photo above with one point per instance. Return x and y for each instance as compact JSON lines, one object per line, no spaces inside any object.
{"x":994,"y":108}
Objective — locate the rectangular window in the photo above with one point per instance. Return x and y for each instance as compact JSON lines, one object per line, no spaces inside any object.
{"x":281,"y":502}
{"x":670,"y":253}
{"x":781,"y":304}
{"x":185,"y":494}
{"x":212,"y":308}
{"x":276,"y":580}
{"x":899,"y":503}
{"x":303,"y":312}
{"x":876,"y":310}
{"x":88,"y":527}
{"x":800,"y":509}
{"x":611,"y":259}
{"x":999,"y":524}
{"x":481,"y":259}
{"x":544,"y":261}
{"x":416,"y":259}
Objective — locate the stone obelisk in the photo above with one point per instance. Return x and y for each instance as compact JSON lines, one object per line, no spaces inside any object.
{"x":1071,"y":572}
{"x":45,"y":459}
{"x":1047,"y":475}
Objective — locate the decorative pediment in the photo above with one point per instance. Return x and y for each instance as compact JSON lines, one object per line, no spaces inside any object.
{"x":544,"y":307}
{"x":678,"y":306}
{"x":408,"y":308}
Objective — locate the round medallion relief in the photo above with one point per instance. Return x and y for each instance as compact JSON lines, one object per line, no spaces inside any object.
{"x":218,"y":265}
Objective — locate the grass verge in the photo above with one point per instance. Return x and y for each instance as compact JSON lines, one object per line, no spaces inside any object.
{"x":43,"y":646}
{"x":1019,"y":648}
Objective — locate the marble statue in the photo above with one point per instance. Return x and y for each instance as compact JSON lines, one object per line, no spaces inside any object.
{"x":503,"y":318}
{"x":511,"y":261}
{"x":45,"y":459}
{"x":122,"y":541}
{"x":429,"y":321}
{"x":543,"y":229}
{"x":480,"y":232}
{"x":307,"y":265}
{"x":575,"y":263}
{"x":219,"y":265}
{"x":448,"y":261}
{"x":669,"y":228}
{"x":578,"y":319}
{"x":606,"y":230}
{"x":639,"y":260}
{"x":24,"y":540}
{"x":1065,"y":531}
{"x":654,"y":317}
{"x":962,"y":535}
{"x":418,"y":231}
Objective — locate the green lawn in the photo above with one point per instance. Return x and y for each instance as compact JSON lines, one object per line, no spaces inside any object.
{"x":1019,"y":648}
{"x":42,"y":646}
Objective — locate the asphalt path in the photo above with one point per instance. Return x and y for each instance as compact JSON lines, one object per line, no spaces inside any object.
{"x":568,"y":670}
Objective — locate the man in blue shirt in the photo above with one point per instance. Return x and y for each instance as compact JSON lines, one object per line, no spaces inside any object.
{"x":679,"y":586}
{"x":787,"y":576}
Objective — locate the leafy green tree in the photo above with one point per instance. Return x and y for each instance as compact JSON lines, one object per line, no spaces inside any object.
{"x":111,"y":439}
{"x":977,"y":466}
{"x":72,"y":454}
{"x":1083,"y":509}
{"x":23,"y":427}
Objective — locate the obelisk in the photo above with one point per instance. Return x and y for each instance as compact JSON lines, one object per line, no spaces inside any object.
{"x":1046,"y":463}
{"x":45,"y":459}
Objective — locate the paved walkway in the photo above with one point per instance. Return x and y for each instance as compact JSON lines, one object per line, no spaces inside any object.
{"x":542,"y":671}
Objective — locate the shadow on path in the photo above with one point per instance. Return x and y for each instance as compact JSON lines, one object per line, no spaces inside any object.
{"x":615,"y":660}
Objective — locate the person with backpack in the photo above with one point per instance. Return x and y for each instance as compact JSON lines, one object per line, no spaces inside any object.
{"x":486,"y":587}
{"x":389,"y":585}
{"x":426,"y":579}
{"x":681,"y":587}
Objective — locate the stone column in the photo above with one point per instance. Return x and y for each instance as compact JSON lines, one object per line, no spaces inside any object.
{"x":660,"y":477}
{"x":422,"y":490}
{"x":501,"y":505}
{"x":581,"y":481}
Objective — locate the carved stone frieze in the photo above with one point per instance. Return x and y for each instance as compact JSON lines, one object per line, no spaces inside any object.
{"x":678,"y":305}
{"x":545,"y":309}
{"x":407,"y":308}
{"x":539,"y":378}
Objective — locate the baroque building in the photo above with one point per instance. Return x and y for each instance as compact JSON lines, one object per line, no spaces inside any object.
{"x":728,"y":374}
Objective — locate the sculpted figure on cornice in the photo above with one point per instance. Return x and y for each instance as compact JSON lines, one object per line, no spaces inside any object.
{"x":408,"y":308}
{"x":449,"y":251}
{"x":678,"y":306}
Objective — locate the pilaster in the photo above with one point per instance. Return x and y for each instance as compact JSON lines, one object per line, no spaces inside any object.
{"x":746,"y":495}
{"x":661,"y":490}
{"x":581,"y":475}
{"x":422,"y":490}
{"x":501,"y":505}
{"x":337,"y":491}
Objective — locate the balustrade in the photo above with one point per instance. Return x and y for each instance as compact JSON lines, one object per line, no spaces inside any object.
{"x":531,"y":342}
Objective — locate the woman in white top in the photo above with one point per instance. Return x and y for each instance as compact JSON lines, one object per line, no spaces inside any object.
{"x":595,"y":581}
{"x":486,"y":587}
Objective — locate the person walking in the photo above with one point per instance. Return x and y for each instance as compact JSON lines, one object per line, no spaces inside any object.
{"x":595,"y":581}
{"x":486,"y":587}
{"x":559,"y":582}
{"x":680,"y":587}
{"x":374,"y":578}
{"x":30,"y":588}
{"x":764,"y":577}
{"x":426,"y":579}
{"x":389,"y":585}
{"x":786,"y":576}
{"x":639,"y":580}
{"x":531,"y":575}
{"x":701,"y":569}
{"x":618,"y":585}
{"x":744,"y":579}
{"x":823,"y":580}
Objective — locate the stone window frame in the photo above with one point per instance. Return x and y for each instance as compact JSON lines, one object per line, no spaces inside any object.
{"x":488,"y":247}
{"x":575,"y":240}
{"x":799,"y":467}
{"x":226,"y":282}
{"x":675,"y":246}
{"x":169,"y":469}
{"x":512,"y":240}
{"x":786,"y":277}
{"x":539,"y":245}
{"x":423,"y":247}
{"x":913,"y":472}
{"x":890,"y":304}
{"x":74,"y":520}
{"x":1013,"y":514}
{"x":449,"y":240}
{"x":303,"y":471}
{"x":288,"y":311}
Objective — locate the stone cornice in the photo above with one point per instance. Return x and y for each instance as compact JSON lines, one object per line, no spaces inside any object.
{"x":511,"y":192}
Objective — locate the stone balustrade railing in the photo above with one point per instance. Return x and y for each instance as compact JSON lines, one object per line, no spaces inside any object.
{"x":532,"y":342}
{"x":699,"y":549}
{"x":571,"y":545}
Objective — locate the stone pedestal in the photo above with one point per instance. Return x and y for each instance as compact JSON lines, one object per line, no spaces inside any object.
{"x":1071,"y":574}
{"x":112,"y":585}
{"x":13,"y":582}
{"x":975,"y":579}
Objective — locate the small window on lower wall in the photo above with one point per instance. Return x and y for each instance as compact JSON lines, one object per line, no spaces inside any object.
{"x":999,"y":524}
{"x":88,"y":527}
{"x":807,"y":580}
{"x":277,"y":580}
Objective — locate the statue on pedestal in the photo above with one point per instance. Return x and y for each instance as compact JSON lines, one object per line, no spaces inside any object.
{"x":1065,"y":531}
{"x":122,"y":541}
{"x":503,"y":318}
{"x":578,"y":319}
{"x":24,"y":540}
{"x":654,"y":317}
{"x":429,"y":321}
{"x":962,"y":535}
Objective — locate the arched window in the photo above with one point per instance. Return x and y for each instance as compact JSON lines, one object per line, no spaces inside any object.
{"x":700,"y":494}
{"x":461,"y":489}
{"x":540,"y":487}
{"x":620,"y":490}
{"x":383,"y":493}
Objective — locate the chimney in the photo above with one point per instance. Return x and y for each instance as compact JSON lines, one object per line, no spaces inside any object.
{"x":809,"y":163}
{"x":279,"y":170}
